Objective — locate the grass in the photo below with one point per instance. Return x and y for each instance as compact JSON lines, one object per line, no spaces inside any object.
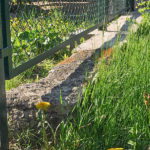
{"x":112,"y":112}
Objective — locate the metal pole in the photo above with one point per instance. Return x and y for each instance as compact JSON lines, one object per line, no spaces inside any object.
{"x":5,"y":37}
{"x":4,"y":42}
{"x":127,"y":3}
{"x":98,"y":11}
{"x":132,"y":5}
{"x":3,"y":111}
{"x":104,"y":10}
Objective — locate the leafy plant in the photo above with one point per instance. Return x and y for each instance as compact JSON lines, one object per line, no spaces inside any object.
{"x":33,"y":34}
{"x":143,"y":8}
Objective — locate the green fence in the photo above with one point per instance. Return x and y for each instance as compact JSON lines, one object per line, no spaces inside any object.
{"x":32,"y":30}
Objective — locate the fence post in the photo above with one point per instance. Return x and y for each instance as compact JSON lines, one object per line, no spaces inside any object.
{"x":104,"y":9}
{"x":4,"y":43}
{"x":98,"y":11}
{"x":132,"y":5}
{"x":3,"y":111}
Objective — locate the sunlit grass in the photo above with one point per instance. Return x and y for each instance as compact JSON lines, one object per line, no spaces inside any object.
{"x":112,"y":112}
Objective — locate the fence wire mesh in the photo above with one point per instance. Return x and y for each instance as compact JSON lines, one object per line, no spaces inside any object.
{"x":38,"y":25}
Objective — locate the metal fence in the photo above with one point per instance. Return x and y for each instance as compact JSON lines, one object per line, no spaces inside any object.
{"x":32,"y":30}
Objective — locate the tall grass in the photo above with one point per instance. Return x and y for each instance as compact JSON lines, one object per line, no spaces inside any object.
{"x":112,"y":112}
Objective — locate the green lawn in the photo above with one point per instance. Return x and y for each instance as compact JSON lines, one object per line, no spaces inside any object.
{"x":112,"y":112}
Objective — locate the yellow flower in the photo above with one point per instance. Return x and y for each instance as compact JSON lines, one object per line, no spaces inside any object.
{"x":43,"y":105}
{"x":22,"y":3}
{"x":115,"y":149}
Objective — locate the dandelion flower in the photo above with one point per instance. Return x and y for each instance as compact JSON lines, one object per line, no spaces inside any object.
{"x":43,"y":105}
